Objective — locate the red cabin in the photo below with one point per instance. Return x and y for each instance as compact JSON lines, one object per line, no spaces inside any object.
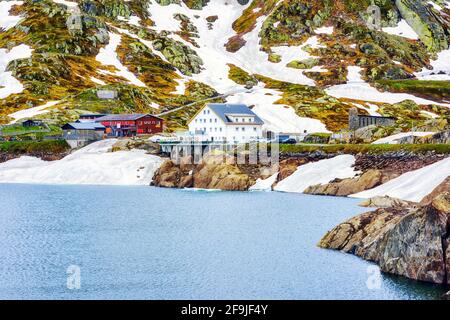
{"x":127,"y":125}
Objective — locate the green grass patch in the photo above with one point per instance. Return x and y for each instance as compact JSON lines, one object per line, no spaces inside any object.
{"x":19,"y":129}
{"x":436,"y":90}
{"x":34,"y":147}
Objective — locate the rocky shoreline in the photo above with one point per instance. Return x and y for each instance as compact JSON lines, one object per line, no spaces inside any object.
{"x":403,"y":238}
{"x":223,"y":172}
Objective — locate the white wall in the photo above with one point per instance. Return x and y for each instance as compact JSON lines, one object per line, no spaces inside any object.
{"x":216,"y":130}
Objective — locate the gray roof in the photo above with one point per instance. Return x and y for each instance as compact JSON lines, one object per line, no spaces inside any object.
{"x":123,"y":117}
{"x":84,"y":126}
{"x":223,"y":110}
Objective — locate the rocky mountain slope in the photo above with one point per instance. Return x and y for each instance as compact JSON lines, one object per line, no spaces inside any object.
{"x":309,"y":62}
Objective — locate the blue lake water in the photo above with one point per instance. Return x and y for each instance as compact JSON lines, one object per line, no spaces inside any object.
{"x":149,"y":243}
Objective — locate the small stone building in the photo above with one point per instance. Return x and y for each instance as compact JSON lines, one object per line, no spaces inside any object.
{"x":79,"y":134}
{"x":357,"y":121}
{"x":107,"y":94}
{"x":75,"y":24}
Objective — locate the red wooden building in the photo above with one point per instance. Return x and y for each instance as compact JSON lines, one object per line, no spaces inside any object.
{"x":126,"y":125}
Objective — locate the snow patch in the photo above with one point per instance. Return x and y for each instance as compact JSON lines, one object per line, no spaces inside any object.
{"x":403,"y":29}
{"x":324,"y":30}
{"x":277,"y":118}
{"x":131,"y":20}
{"x":108,"y":56}
{"x":8,"y":84}
{"x":32,"y":112}
{"x":93,"y":165}
{"x":264,"y":185}
{"x":212,"y":41}
{"x":98,"y":81}
{"x":412,"y":186}
{"x":394,"y":138}
{"x":357,"y":89}
{"x":320,"y":172}
{"x":7,"y":21}
{"x":69,"y":4}
{"x":440,"y":68}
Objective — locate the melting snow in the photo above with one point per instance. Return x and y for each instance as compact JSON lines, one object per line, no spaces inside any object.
{"x":31,"y":112}
{"x":97,"y":81}
{"x":358,"y":89}
{"x":7,"y":21}
{"x":403,"y":29}
{"x":264,"y":185}
{"x":440,"y":68}
{"x":132,"y":20}
{"x":69,"y":4}
{"x":325,"y":30}
{"x":370,"y":108}
{"x":93,"y":165}
{"x":277,"y":118}
{"x":412,"y":186}
{"x":320,"y":172}
{"x":108,"y":56}
{"x":8,"y":84}
{"x":212,"y":40}
{"x":394,"y":138}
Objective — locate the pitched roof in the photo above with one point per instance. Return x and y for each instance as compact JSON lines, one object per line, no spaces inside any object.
{"x":124,"y":117}
{"x":224,"y":110}
{"x":84,"y":126}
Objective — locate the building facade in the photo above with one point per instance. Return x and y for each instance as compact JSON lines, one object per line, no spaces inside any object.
{"x":232,"y":123}
{"x":79,"y":134}
{"x":128,"y":125}
{"x":357,"y":121}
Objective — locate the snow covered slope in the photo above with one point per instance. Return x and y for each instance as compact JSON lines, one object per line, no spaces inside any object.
{"x":93,"y":165}
{"x":356,"y":88}
{"x":295,"y":50}
{"x":320,"y":172}
{"x":412,"y":186}
{"x":8,"y":84}
{"x":8,"y":21}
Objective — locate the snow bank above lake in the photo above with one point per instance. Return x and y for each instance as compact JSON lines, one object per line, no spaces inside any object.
{"x":412,"y":186}
{"x":320,"y":172}
{"x":93,"y":165}
{"x":264,"y":185}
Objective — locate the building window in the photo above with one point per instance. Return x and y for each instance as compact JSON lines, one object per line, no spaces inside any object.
{"x":237,"y":129}
{"x":215,"y":120}
{"x":243,"y":129}
{"x":254,"y":129}
{"x":220,"y":129}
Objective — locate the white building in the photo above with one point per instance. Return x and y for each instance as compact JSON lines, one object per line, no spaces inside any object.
{"x":226,"y":122}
